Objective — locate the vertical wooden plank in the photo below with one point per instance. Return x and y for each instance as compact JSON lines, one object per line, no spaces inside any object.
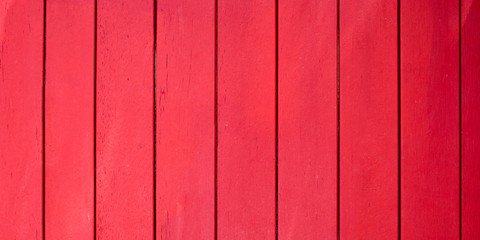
{"x":470,"y":64}
{"x":21,"y":131}
{"x":69,"y":113}
{"x":307,"y":121}
{"x":246,"y":119}
{"x":125,"y":119}
{"x":185,"y":119}
{"x":368,"y":119}
{"x":430,"y":119}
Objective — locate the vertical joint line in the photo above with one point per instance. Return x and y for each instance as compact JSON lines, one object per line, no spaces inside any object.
{"x":155,"y":119}
{"x":216,"y":124}
{"x":399,"y":110}
{"x":276,"y":119}
{"x":338,"y":119}
{"x":460,"y":111}
{"x":95,"y":125}
{"x":43,"y":114}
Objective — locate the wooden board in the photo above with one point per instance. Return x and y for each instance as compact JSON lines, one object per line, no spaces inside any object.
{"x":69,"y":115}
{"x":21,"y":128}
{"x":470,"y":53}
{"x":368,"y":119}
{"x":430,"y":119}
{"x":185,"y":119}
{"x":246,"y":119}
{"x":124,"y":199}
{"x":307,"y":119}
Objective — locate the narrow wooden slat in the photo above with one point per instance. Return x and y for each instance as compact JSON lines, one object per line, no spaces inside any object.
{"x":69,"y":113}
{"x":307,"y":119}
{"x":430,"y":119}
{"x":125,"y":113}
{"x":21,"y":131}
{"x":185,"y":119}
{"x":246,"y":119}
{"x":368,"y":119}
{"x":470,"y":119}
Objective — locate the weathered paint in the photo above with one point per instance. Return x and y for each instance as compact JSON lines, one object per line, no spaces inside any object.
{"x":69,"y":115}
{"x":246,"y":119}
{"x":307,"y":119}
{"x":368,"y":119}
{"x":185,"y":119}
{"x":430,"y":119}
{"x":470,"y":19}
{"x":124,"y":102}
{"x":21,"y":127}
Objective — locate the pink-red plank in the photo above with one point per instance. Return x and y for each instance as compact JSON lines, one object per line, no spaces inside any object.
{"x":307,"y":119}
{"x":69,"y":115}
{"x":185,"y":119}
{"x":124,"y":114}
{"x":429,"y":119}
{"x":21,"y":131}
{"x":470,"y":78}
{"x":246,"y":119}
{"x":368,"y":119}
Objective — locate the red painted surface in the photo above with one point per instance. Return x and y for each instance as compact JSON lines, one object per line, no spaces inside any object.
{"x":368,"y":120}
{"x":125,"y":119}
{"x":178,"y":128}
{"x":307,"y":89}
{"x":430,"y":119}
{"x":246,"y":119}
{"x":185,"y":119}
{"x":21,"y":134}
{"x":470,"y":119}
{"x":69,"y":108}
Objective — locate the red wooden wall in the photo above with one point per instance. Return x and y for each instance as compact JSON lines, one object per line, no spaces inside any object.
{"x":234,"y":119}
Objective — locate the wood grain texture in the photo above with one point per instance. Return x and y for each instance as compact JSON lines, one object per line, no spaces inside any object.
{"x":21,"y":131}
{"x":125,"y":119}
{"x":430,"y":119}
{"x":246,"y":119}
{"x":185,"y":119}
{"x":69,"y":115}
{"x":368,"y":119}
{"x":470,"y":118}
{"x":307,"y":119}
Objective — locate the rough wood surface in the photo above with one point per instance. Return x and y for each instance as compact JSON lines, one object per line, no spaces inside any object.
{"x":184,"y":130}
{"x":430,"y":119}
{"x":185,"y":119}
{"x":69,"y":115}
{"x":307,"y":119}
{"x":21,"y":131}
{"x":368,"y":119}
{"x":246,"y":119}
{"x":125,"y":119}
{"x":470,"y":118}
